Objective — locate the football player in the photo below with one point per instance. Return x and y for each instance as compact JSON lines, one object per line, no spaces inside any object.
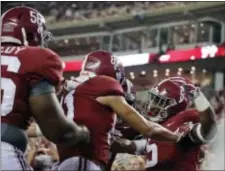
{"x":167,"y":104}
{"x":93,"y":98}
{"x":31,"y":74}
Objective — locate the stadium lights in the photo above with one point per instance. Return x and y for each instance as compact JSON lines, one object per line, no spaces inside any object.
{"x":132,"y":77}
{"x":179,"y":73}
{"x":66,"y":41}
{"x":180,"y":69}
{"x":155,"y":75}
{"x":155,"y":71}
{"x":143,"y":72}
{"x":192,"y":58}
{"x":167,"y":73}
{"x":131,"y":73}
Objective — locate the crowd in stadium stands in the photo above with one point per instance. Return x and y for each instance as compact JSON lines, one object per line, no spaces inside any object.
{"x":96,"y":10}
{"x":42,"y":154}
{"x":86,"y":10}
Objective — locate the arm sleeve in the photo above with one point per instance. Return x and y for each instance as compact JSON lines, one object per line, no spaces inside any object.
{"x":42,"y":87}
{"x":140,"y":146}
{"x":196,"y":137}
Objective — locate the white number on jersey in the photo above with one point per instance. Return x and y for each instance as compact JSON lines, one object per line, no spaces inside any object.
{"x":71,"y":86}
{"x":153,"y":149}
{"x":7,"y":85}
{"x":69,"y":99}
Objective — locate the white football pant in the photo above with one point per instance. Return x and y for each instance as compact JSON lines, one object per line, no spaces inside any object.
{"x":12,"y":158}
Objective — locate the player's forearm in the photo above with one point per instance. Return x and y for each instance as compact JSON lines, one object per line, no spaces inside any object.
{"x":150,"y":129}
{"x":71,"y":134}
{"x":137,"y":122}
{"x":162,"y":134}
{"x":208,"y":127}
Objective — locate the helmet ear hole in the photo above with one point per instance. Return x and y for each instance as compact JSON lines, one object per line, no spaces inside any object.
{"x":30,"y":37}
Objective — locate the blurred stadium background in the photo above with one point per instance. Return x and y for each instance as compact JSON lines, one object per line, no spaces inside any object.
{"x":154,"y":40}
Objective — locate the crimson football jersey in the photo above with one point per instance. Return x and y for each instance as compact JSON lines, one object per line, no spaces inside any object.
{"x":163,"y":156}
{"x":81,"y":106}
{"x":21,"y":68}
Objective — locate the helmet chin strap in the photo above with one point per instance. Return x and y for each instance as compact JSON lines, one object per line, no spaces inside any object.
{"x":24,"y":37}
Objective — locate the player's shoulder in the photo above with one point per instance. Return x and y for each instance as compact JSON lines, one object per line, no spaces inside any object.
{"x":107,"y":82}
{"x":40,"y":56}
{"x":37,"y":51}
{"x":105,"y":79}
{"x":108,"y":85}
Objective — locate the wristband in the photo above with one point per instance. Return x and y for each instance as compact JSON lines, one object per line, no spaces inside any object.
{"x":201,"y":103}
{"x":199,"y":134}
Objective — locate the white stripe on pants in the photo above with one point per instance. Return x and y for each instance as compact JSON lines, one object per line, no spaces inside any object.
{"x":12,"y":158}
{"x":79,"y":164}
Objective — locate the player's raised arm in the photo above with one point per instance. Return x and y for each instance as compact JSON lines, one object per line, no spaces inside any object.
{"x":135,"y":120}
{"x":206,"y":130}
{"x":49,"y":116}
{"x":44,"y":79}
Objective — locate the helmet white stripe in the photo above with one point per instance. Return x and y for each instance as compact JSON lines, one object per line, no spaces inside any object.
{"x":9,"y":39}
{"x":83,"y":63}
{"x":24,"y":37}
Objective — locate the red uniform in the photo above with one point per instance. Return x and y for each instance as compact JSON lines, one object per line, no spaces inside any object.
{"x":21,"y":68}
{"x":81,"y":106}
{"x":162,"y":156}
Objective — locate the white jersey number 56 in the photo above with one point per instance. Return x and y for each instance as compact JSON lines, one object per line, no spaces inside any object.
{"x":8,"y":87}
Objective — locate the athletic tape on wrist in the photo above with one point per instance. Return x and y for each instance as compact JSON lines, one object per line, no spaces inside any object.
{"x":199,"y":134}
{"x":201,"y":103}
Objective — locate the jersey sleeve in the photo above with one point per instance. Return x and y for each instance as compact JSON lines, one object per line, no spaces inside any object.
{"x":46,"y":66}
{"x":111,"y":87}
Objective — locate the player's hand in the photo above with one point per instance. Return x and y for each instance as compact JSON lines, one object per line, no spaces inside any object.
{"x":184,"y":138}
{"x":192,"y":91}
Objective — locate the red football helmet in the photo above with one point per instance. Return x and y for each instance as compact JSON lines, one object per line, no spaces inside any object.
{"x":166,"y":99}
{"x":25,"y":26}
{"x":129,"y":91}
{"x":104,"y":63}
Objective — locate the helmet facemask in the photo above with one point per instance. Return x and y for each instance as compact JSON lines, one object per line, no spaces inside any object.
{"x":46,"y":36}
{"x":157,"y":105}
